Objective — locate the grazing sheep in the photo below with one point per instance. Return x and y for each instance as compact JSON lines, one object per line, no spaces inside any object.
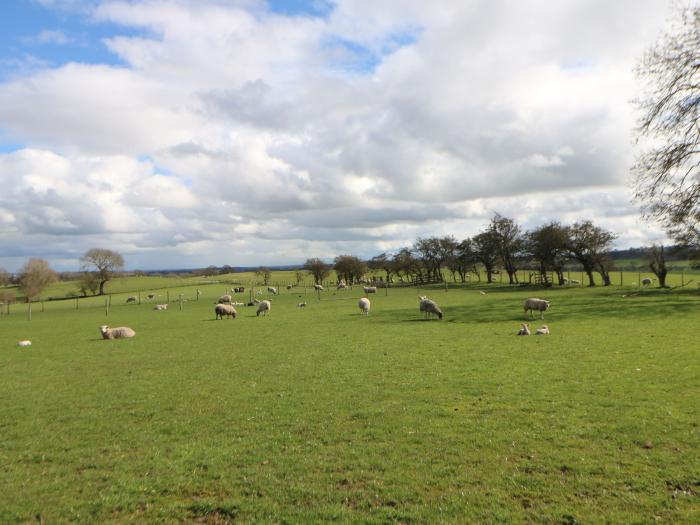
{"x":533,"y":303}
{"x":647,"y":281}
{"x":542,"y":330}
{"x":160,"y":307}
{"x":370,"y":289}
{"x":120,"y":332}
{"x":263,"y":308}
{"x":301,"y":305}
{"x":272,"y":290}
{"x":226,"y":298}
{"x":151,"y":296}
{"x":318,"y":287}
{"x":221,"y":310}
{"x":364,"y":305}
{"x":524,"y":329}
{"x":131,"y":299}
{"x":341,"y":286}
{"x":25,"y":342}
{"x":429,"y":307}
{"x":238,"y":289}
{"x":575,"y":281}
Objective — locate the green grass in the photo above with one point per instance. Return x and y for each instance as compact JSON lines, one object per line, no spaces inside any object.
{"x":321,"y":414}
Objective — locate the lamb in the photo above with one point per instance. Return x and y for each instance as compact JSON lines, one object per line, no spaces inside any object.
{"x":272,"y":290}
{"x":263,"y":308}
{"x":160,"y":307}
{"x":301,"y":305}
{"x":429,"y":307}
{"x":536,"y":304}
{"x":120,"y":332}
{"x":226,"y":298}
{"x":221,"y":310}
{"x":318,"y":287}
{"x":370,"y":289}
{"x":131,"y":299}
{"x":543,"y":330}
{"x":524,"y":329}
{"x":364,"y":305}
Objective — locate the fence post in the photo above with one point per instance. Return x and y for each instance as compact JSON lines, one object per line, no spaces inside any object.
{"x":639,"y":279}
{"x":42,"y":306}
{"x":139,"y":297}
{"x":76,"y":303}
{"x":682,"y":278}
{"x":620,"y":278}
{"x":29,"y":310}
{"x":180,"y":300}
{"x":167,"y":292}
{"x":106,"y":307}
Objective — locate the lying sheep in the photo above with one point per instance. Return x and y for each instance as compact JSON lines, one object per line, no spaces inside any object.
{"x":429,"y":307}
{"x":575,"y":281}
{"x":160,"y":307}
{"x":131,"y":299}
{"x":533,"y":304}
{"x":272,"y":290}
{"x":221,"y":310}
{"x":524,"y":329}
{"x":370,"y":289}
{"x":226,"y":298}
{"x":120,"y":332}
{"x":341,"y":286}
{"x":364,"y":305}
{"x":263,"y":308}
{"x":301,"y":305}
{"x":25,"y":342}
{"x":318,"y":287}
{"x":542,"y":330}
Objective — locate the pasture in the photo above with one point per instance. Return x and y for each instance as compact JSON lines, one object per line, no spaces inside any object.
{"x":322,"y":414}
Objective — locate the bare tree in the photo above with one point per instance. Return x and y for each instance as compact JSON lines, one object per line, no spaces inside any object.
{"x":106,"y":262}
{"x":349,"y":268}
{"x":546,"y":245}
{"x":657,"y":264}
{"x":485,"y":247}
{"x":298,"y":277}
{"x":265,"y":273}
{"x":4,"y":277}
{"x":318,"y":269}
{"x":35,"y":275}
{"x":88,"y":282}
{"x":588,"y":245}
{"x":510,"y":244}
{"x":382,"y":262}
{"x":668,"y":170}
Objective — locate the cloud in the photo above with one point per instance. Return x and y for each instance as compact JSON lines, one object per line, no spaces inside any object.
{"x":48,"y":36}
{"x":356,"y":130}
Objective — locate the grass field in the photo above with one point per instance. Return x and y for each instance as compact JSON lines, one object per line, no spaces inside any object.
{"x":321,"y":414}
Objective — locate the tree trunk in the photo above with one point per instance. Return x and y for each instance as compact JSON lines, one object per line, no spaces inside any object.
{"x":102,"y":287}
{"x":591,"y":279}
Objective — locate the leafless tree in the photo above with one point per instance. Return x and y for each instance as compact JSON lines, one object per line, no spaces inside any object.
{"x":265,"y":273}
{"x":107,"y":264}
{"x":668,"y":168}
{"x":317,"y":268}
{"x":349,"y":268}
{"x":589,"y":244}
{"x":35,"y":275}
{"x":546,"y":245}
{"x":657,"y":263}
{"x":4,"y":277}
{"x":510,"y":244}
{"x":485,"y":246}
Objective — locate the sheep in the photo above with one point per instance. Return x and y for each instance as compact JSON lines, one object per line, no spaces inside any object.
{"x":131,"y":299}
{"x":429,"y":307}
{"x":272,"y":290}
{"x":481,"y":292}
{"x":25,"y":342}
{"x":564,"y":280}
{"x":370,"y":289}
{"x":536,"y":304}
{"x":575,"y":281}
{"x":647,"y":281}
{"x":290,"y":286}
{"x":160,"y":307}
{"x":221,"y":310}
{"x":151,"y":296}
{"x":120,"y":332}
{"x":238,"y":289}
{"x":263,"y":308}
{"x":301,"y":305}
{"x":364,"y":305}
{"x":226,"y":298}
{"x":341,"y":286}
{"x":319,"y":287}
{"x":524,"y":329}
{"x":543,"y":330}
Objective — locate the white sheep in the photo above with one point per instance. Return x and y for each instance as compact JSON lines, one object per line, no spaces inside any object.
{"x":120,"y":332}
{"x":221,"y":310}
{"x":319,"y":287}
{"x":542,"y":330}
{"x":301,"y":305}
{"x":341,"y":286}
{"x":226,"y":298}
{"x":524,"y":329}
{"x":25,"y":342}
{"x":272,"y":290}
{"x":264,"y":307}
{"x":533,"y":303}
{"x":429,"y":307}
{"x":160,"y":307}
{"x":290,"y":286}
{"x":364,"y":306}
{"x":370,"y":289}
{"x":575,"y":281}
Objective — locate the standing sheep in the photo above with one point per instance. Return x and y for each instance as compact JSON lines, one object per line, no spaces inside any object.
{"x":370,"y":289}
{"x":429,"y":307}
{"x":647,"y":281}
{"x":364,"y":305}
{"x":226,"y":298}
{"x":272,"y":290}
{"x":533,"y":303}
{"x":151,"y":296}
{"x":131,"y":299}
{"x":121,"y":332}
{"x":221,"y":310}
{"x":263,"y":308}
{"x":319,"y":287}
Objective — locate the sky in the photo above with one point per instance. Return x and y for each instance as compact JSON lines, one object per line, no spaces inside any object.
{"x":188,"y":133}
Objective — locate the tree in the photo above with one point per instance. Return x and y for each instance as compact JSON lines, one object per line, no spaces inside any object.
{"x":657,"y":263}
{"x":382,"y":262}
{"x":546,"y":245}
{"x":106,"y":262}
{"x":265,"y":273}
{"x":509,"y":245}
{"x":35,"y":275}
{"x":668,"y":170}
{"x":298,"y":277}
{"x":485,"y":247}
{"x":4,"y":277}
{"x":317,"y":268}
{"x":588,"y":245}
{"x":88,"y":282}
{"x":463,"y":260}
{"x":349,"y":268}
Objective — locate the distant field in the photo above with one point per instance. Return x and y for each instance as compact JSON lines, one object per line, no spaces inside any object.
{"x":321,"y":414}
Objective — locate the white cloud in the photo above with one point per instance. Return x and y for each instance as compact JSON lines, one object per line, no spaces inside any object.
{"x":354,"y":132}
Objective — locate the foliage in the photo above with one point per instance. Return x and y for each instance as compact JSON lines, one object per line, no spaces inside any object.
{"x":668,"y":170}
{"x":35,"y":275}
{"x":485,"y":248}
{"x":349,"y":268}
{"x":89,"y":282}
{"x":510,"y":244}
{"x":265,"y":273}
{"x":106,"y":262}
{"x":588,"y":245}
{"x":318,"y":269}
{"x":547,"y":246}
{"x":4,"y":277}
